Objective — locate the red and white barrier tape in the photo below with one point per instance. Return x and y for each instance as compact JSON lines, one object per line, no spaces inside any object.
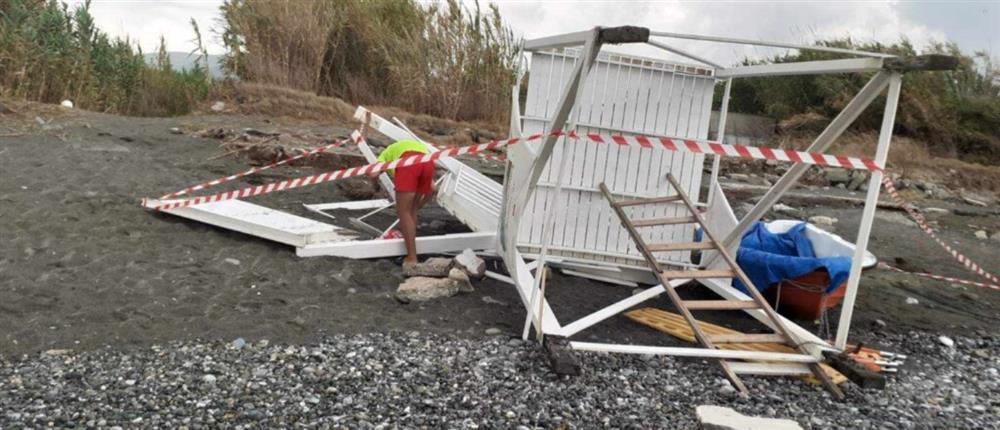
{"x":255,"y":170}
{"x":940,"y":278}
{"x":922,"y":223}
{"x":670,"y":144}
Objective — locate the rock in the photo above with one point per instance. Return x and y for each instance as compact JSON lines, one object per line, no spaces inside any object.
{"x":436,"y":267}
{"x":974,"y":202}
{"x":357,"y":188}
{"x":742,"y":177}
{"x":946,"y":341}
{"x":880,"y":323}
{"x":175,"y":130}
{"x":492,"y":301}
{"x":233,"y":261}
{"x":493,"y":331}
{"x":208,"y":378}
{"x":981,"y":235}
{"x":938,"y":211}
{"x":912,"y":301}
{"x":422,"y":288}
{"x":780,"y":207}
{"x":469,"y":262}
{"x":239,"y":343}
{"x":57,"y":352}
{"x":218,"y":106}
{"x":822,"y":220}
{"x":995,"y":236}
{"x":837,"y":176}
{"x":720,"y":418}
{"x":462,"y":279}
{"x":858,"y":178}
{"x":66,"y":104}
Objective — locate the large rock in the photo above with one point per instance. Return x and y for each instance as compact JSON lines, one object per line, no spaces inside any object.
{"x":421,"y":288}
{"x":461,"y":279}
{"x":720,"y":418}
{"x":437,"y":267}
{"x":837,"y":176}
{"x":471,"y":263}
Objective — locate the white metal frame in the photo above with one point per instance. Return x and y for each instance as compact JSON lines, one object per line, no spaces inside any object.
{"x":522,"y":180}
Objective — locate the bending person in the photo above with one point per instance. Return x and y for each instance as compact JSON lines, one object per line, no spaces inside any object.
{"x":414,"y":188}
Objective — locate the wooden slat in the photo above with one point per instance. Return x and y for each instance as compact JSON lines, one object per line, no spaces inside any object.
{"x":697,"y":274}
{"x":747,"y":338}
{"x":679,"y":246}
{"x":649,"y":201}
{"x":793,"y":369}
{"x":663,"y":221}
{"x":720,"y":305}
{"x":675,"y":325}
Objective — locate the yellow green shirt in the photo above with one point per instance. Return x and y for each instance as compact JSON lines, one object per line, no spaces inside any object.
{"x":396,"y":150}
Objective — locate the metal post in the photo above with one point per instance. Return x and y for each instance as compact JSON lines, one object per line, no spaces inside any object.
{"x":572,"y":98}
{"x":864,"y":230}
{"x":720,"y":137}
{"x":821,"y":144}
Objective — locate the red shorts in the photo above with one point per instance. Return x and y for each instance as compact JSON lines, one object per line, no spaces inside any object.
{"x":417,"y":178}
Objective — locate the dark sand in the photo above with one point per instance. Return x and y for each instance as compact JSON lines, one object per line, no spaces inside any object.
{"x":82,"y":266}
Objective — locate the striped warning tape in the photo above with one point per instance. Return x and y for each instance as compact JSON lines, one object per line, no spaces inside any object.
{"x":256,"y":170}
{"x":670,"y":144}
{"x":922,"y":223}
{"x":939,"y":278}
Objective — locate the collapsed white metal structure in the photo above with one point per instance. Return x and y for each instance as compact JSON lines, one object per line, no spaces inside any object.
{"x":549,"y":208}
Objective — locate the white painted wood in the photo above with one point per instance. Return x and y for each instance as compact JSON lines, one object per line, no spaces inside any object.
{"x":351,"y":205}
{"x":263,"y":222}
{"x":693,"y":352}
{"x":850,"y":65}
{"x":381,"y":248}
{"x":769,"y":369}
{"x":622,"y":95}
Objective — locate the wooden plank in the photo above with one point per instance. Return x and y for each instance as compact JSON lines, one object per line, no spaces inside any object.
{"x":747,"y":338}
{"x":675,"y":325}
{"x":681,"y":246}
{"x":697,"y":274}
{"x":650,"y":201}
{"x":720,"y":305}
{"x":663,"y":221}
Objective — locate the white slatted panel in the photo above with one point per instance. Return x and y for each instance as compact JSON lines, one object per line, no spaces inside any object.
{"x":622,"y":95}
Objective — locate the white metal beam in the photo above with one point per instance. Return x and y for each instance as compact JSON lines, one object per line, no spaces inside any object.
{"x":836,"y":127}
{"x":850,"y":65}
{"x":380,"y":248}
{"x":558,"y":41}
{"x":767,"y":43}
{"x":685,"y":54}
{"x":868,"y":214}
{"x":694,"y":352}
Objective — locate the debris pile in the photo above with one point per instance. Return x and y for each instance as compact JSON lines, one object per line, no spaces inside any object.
{"x":440,"y":277}
{"x":265,"y":147}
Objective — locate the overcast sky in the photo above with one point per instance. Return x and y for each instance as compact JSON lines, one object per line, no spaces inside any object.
{"x":974,"y":25}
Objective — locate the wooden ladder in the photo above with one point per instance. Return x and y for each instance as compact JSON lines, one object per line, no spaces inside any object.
{"x":730,"y":368}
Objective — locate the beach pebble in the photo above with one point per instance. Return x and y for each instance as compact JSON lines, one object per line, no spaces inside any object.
{"x":208,"y":378}
{"x":233,"y":261}
{"x":946,"y":341}
{"x":218,"y":106}
{"x":68,"y":104}
{"x":239,"y":343}
{"x":912,"y":301}
{"x":981,"y":234}
{"x":493,"y":331}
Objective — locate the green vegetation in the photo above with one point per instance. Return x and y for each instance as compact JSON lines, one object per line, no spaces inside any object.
{"x":441,"y":60}
{"x":957,"y":113}
{"x":49,"y":53}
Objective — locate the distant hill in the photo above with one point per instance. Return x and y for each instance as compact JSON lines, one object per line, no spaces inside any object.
{"x":183,"y":61}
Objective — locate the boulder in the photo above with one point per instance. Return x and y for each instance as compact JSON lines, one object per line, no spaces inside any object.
{"x":982,"y":235}
{"x":437,"y":267}
{"x":421,"y":288}
{"x":837,"y":176}
{"x":461,"y":279}
{"x":358,"y":188}
{"x":471,"y":263}
{"x":720,"y":418}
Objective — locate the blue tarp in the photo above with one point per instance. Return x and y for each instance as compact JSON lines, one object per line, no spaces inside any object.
{"x":768,"y":258}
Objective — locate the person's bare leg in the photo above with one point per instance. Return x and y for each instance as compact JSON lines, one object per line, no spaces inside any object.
{"x":406,"y":209}
{"x":422,"y":200}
